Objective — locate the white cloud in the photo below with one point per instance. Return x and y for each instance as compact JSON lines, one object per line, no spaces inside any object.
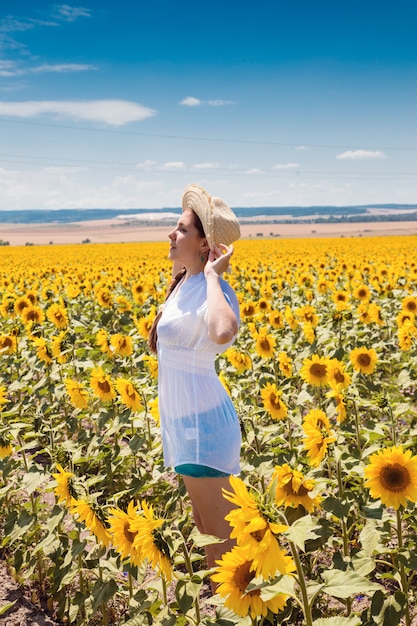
{"x":301,"y":148}
{"x":361,"y":154}
{"x":69,"y":13}
{"x":112,"y":112}
{"x":219,"y":103}
{"x":63,"y":67}
{"x":205,"y":166}
{"x":254,"y":170}
{"x":286,"y":166}
{"x":175,"y":165}
{"x":191,"y":102}
{"x":146,"y":165}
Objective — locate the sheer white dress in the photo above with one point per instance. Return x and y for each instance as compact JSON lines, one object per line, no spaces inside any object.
{"x":199,"y":424}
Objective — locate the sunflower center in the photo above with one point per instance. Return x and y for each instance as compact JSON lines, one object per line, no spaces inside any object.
{"x":242,"y":578}
{"x":104,"y":386}
{"x":411,"y":306}
{"x":275,"y":401}
{"x":364,"y":360}
{"x":318,"y":370}
{"x":395,"y":477}
{"x":264,"y":343}
{"x":127,"y":533}
{"x":258,"y":535}
{"x":338,"y":376}
{"x":301,"y":491}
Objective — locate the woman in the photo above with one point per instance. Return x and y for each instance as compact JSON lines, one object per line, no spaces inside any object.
{"x":200,"y":318}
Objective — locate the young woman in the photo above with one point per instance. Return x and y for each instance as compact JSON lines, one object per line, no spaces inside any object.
{"x":200,"y":318}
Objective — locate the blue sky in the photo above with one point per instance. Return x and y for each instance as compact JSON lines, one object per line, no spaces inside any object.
{"x":108,"y":104}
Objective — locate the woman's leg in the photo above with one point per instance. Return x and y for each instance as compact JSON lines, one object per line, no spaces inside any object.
{"x":209,"y":510}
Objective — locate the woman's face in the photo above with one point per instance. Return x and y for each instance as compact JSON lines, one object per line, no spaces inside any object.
{"x":187,"y":245}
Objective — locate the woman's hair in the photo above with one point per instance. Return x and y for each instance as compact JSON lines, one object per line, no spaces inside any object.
{"x":153,"y":333}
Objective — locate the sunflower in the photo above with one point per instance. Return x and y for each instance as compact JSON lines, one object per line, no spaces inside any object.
{"x":122,"y":536}
{"x":255,"y":532}
{"x":149,"y":541}
{"x":152,"y":365}
{"x":336,"y":374}
{"x":341,"y":300}
{"x":272,"y":401}
{"x":7,"y":307}
{"x":363,"y":359}
{"x":290,"y":318}
{"x":248,"y":309}
{"x":138,"y":293}
{"x":102,"y":341}
{"x":123,"y":304}
{"x":265,"y":344}
{"x":392,"y":476}
{"x":64,"y":489}
{"x":315,"y":370}
{"x":3,"y":395}
{"x":263,"y":305}
{"x":8,"y":344}
{"x":291,"y":488}
{"x":144,"y":325}
{"x":404,"y":317}
{"x":375,"y":313}
{"x":337,"y":393}
{"x":364,"y":313}
{"x":129,"y":394}
{"x":58,"y":315}
{"x":101,"y":385}
{"x":122,"y":344}
{"x":318,"y":436}
{"x":276,"y":319}
{"x":308,"y":331}
{"x":234,"y":572}
{"x":104,"y":297}
{"x":362,"y":292}
{"x":307,"y":314}
{"x":409,"y":304}
{"x":93,"y":518}
{"x":154,"y":409}
{"x":407,"y":333}
{"x":77,"y":393}
{"x":60,"y":347}
{"x":5,"y":446}
{"x":239,"y":360}
{"x":21,"y":304}
{"x":73,"y":291}
{"x":32,"y":315}
{"x":285,"y":364}
{"x":43,"y":350}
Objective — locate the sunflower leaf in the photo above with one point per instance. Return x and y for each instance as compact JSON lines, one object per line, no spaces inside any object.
{"x":302,"y":530}
{"x":337,"y":621}
{"x":345,"y":584}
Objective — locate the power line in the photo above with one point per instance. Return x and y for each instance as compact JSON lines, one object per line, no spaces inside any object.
{"x":204,"y":139}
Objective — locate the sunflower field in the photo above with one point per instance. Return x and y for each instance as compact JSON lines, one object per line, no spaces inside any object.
{"x":324,"y":379}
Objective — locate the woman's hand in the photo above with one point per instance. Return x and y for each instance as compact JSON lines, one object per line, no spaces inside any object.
{"x":218,"y":259}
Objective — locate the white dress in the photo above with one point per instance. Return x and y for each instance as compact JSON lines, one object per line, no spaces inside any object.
{"x":199,"y":423}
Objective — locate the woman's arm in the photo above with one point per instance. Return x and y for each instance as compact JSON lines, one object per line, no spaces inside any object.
{"x":222,"y":322}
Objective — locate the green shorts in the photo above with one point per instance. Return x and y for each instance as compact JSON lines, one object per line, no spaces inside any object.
{"x":199,"y":471}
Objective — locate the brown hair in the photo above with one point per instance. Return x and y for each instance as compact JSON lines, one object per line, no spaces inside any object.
{"x":153,"y":333}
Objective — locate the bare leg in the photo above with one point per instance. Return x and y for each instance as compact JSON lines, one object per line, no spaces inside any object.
{"x":209,"y":510}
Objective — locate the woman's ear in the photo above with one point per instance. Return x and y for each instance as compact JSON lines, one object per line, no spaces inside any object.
{"x":204,"y":246}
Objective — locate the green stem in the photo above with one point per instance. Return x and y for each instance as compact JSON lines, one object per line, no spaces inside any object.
{"x":189,"y":566}
{"x":357,"y":428}
{"x":403,"y":575}
{"x":303,"y":586}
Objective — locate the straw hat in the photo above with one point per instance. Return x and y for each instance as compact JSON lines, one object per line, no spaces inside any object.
{"x":220,"y":224}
